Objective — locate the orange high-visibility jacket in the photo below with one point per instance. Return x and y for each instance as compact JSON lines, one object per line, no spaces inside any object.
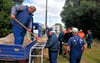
{"x":81,"y":34}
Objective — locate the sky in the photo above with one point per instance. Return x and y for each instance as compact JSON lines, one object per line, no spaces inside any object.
{"x":53,"y":10}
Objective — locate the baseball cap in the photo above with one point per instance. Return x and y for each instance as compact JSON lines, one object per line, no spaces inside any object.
{"x":75,"y":30}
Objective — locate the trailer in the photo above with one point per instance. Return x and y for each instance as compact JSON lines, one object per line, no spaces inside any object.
{"x":15,"y":52}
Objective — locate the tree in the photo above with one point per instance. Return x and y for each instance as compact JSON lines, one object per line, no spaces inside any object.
{"x":5,"y":10}
{"x":5,"y":7}
{"x":59,"y":25}
{"x":85,"y":16}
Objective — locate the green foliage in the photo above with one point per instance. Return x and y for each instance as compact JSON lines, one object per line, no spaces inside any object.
{"x":18,"y":1}
{"x":5,"y":9}
{"x":59,"y":25}
{"x":85,"y":16}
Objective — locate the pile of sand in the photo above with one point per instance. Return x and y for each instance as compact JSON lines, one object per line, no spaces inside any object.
{"x":9,"y":39}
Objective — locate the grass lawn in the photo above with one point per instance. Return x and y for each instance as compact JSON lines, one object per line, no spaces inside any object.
{"x":92,"y":55}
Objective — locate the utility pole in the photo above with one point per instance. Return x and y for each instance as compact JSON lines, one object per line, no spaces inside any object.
{"x":46,"y":14}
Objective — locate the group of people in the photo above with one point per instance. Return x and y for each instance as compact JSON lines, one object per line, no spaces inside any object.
{"x":74,"y":40}
{"x":87,"y":38}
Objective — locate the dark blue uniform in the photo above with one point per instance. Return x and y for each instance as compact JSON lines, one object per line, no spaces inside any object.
{"x":60,"y":38}
{"x":53,"y":47}
{"x":19,"y":32}
{"x":89,"y":39}
{"x":76,"y":43}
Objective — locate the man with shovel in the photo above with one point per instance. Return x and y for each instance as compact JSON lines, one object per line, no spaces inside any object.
{"x":24,"y":15}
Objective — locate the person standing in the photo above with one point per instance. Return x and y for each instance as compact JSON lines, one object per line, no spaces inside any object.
{"x":24,"y":15}
{"x":81,"y":34}
{"x":60,"y":38}
{"x":89,"y":38}
{"x":76,"y":45}
{"x":67,"y":35}
{"x":53,"y":47}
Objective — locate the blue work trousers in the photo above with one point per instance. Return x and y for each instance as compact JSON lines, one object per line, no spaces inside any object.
{"x":19,"y":34}
{"x":75,"y":59}
{"x":53,"y":56}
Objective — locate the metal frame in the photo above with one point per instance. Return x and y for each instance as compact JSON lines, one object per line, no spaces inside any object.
{"x":37,"y":46}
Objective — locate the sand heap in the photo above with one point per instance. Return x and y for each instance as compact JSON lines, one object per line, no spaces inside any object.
{"x":9,"y":39}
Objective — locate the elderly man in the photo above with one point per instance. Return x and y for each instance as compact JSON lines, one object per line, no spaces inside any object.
{"x":24,"y":15}
{"x":76,"y":45}
{"x":53,"y":47}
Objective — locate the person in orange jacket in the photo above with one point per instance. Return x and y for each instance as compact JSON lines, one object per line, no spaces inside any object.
{"x":81,"y":34}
